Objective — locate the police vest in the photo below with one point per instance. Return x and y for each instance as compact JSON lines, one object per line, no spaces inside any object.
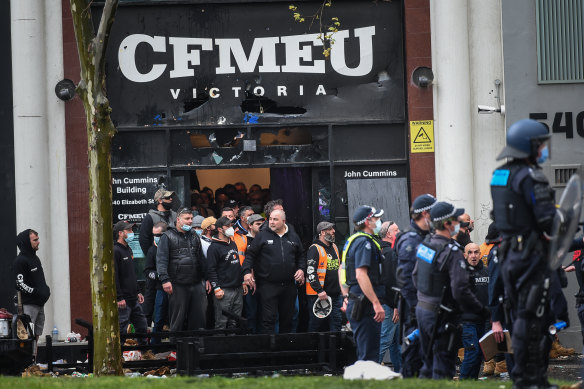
{"x":322,"y":266}
{"x":241,"y":243}
{"x":351,"y":276}
{"x":511,"y":212}
{"x":432,"y":277}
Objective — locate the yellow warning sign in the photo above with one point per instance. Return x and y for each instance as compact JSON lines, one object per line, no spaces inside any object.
{"x":422,"y":136}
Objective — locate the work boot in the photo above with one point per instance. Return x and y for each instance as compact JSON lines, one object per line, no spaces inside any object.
{"x":501,"y":367}
{"x":561,"y":350}
{"x":489,"y":367}
{"x":461,"y":354}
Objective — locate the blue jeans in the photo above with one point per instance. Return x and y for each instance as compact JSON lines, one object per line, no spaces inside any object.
{"x":160,"y":313}
{"x":330,"y":323}
{"x":389,"y":339}
{"x":471,"y":365}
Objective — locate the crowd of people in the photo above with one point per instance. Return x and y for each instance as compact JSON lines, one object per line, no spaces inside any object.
{"x":233,"y":254}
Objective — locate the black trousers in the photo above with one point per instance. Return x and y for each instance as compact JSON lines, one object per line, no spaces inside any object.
{"x":186,"y":307}
{"x":149,"y":297}
{"x":277,"y":302}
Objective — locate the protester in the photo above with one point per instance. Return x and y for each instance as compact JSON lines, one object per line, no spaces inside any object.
{"x":197,"y":221}
{"x":128,"y":298}
{"x":30,"y":279}
{"x":152,"y":282}
{"x":251,"y":300}
{"x":276,"y":256}
{"x":179,"y":262}
{"x":362,"y":257}
{"x":390,"y":326}
{"x":442,"y":280}
{"x":162,"y":213}
{"x":224,"y":271}
{"x":473,"y":324}
{"x":322,"y":279}
{"x":207,"y":227}
{"x":160,"y":316}
{"x":465,"y":227}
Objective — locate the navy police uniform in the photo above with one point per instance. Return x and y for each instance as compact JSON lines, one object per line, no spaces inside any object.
{"x":441,"y":277}
{"x":405,"y":246}
{"x":524,"y":207}
{"x":363,"y":252}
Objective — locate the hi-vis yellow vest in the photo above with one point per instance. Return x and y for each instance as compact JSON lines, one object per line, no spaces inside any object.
{"x":322,"y":265}
{"x":346,"y":250}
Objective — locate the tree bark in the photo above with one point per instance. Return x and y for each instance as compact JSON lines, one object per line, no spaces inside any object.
{"x":107,"y":355}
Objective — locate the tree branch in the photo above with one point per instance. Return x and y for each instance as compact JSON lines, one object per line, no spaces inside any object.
{"x":83,"y":34}
{"x":101,"y":39}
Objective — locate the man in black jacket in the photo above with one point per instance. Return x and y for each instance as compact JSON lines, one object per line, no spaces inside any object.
{"x":30,"y":279}
{"x":473,"y":324}
{"x":276,"y":257}
{"x":129,"y":300}
{"x":224,"y":272}
{"x":180,"y":266}
{"x":390,"y":326}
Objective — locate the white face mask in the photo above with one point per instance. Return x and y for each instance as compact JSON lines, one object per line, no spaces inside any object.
{"x":229,"y":232}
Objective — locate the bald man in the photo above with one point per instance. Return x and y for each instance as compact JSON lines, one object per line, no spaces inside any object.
{"x":277,"y":259}
{"x":473,"y":325}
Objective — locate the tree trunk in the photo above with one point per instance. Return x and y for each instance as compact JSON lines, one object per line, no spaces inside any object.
{"x":107,"y":355}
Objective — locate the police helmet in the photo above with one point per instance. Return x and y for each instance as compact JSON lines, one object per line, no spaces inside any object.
{"x":524,"y":138}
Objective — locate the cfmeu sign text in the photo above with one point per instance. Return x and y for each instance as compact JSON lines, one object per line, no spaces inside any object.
{"x":422,"y":136}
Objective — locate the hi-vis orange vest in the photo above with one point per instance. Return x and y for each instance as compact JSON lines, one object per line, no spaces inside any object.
{"x":321,"y":270}
{"x":241,"y":243}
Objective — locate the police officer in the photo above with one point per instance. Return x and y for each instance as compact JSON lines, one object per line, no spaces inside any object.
{"x":362,"y":256}
{"x":524,"y":208}
{"x":405,"y":247}
{"x":444,"y":291}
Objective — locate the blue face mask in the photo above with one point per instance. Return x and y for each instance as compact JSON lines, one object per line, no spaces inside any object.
{"x":545,"y":154}
{"x":199,"y":232}
{"x":156,"y":239}
{"x":186,"y":228}
{"x":377,"y":227}
{"x":130,"y":237}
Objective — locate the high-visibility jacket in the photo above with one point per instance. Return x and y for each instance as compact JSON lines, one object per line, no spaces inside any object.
{"x":241,"y":243}
{"x":322,"y":266}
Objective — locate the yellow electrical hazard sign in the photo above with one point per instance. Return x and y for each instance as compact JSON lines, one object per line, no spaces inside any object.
{"x":422,"y":136}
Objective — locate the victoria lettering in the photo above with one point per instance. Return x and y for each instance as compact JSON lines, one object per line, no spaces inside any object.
{"x":297,"y":48}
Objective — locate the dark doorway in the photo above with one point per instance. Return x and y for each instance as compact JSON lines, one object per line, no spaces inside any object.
{"x":294,"y":186}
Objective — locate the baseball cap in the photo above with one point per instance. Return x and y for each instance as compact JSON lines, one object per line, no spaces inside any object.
{"x":122,"y":225}
{"x":443,"y":210}
{"x":162,"y":193}
{"x":254,"y":218}
{"x":223,"y":221}
{"x":324,"y":226}
{"x":208,"y":222}
{"x":423,"y":203}
{"x":365,"y":212}
{"x":197,"y":220}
